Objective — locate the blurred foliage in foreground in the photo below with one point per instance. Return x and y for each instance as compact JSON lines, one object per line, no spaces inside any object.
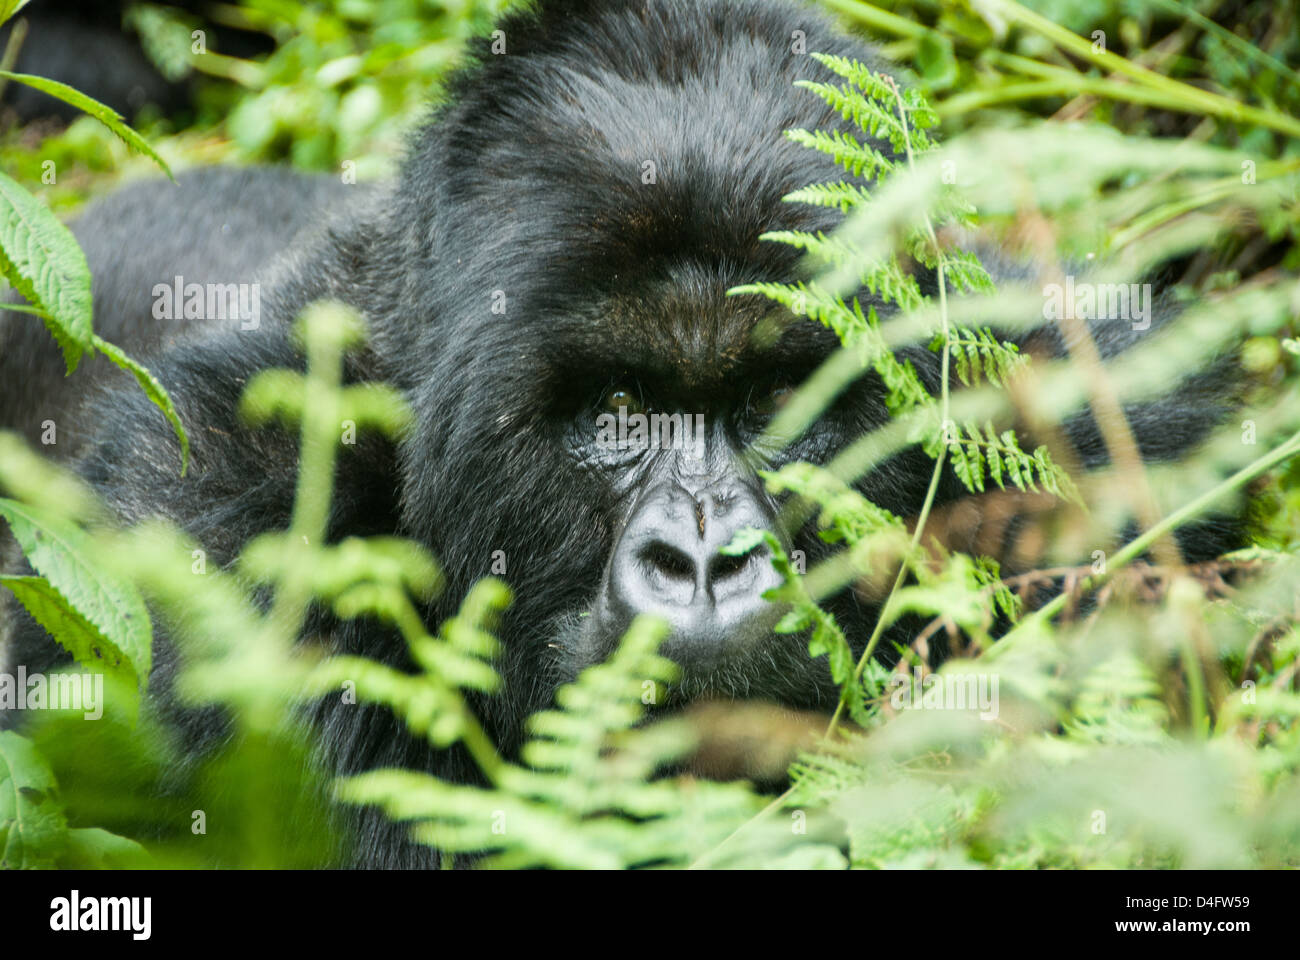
{"x":1151,"y":735}
{"x":1154,"y":722}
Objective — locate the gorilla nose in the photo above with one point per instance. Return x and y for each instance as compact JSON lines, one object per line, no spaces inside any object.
{"x":667,"y":563}
{"x":670,"y":575}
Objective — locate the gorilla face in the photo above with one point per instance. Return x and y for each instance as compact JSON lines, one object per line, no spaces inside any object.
{"x":618,"y":459}
{"x":667,"y":432}
{"x":581,"y":246}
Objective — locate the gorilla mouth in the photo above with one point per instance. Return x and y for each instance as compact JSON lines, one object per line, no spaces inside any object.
{"x":751,"y":662}
{"x":775,"y":672}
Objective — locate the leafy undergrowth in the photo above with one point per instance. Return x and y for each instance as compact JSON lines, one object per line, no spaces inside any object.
{"x":1127,"y":712}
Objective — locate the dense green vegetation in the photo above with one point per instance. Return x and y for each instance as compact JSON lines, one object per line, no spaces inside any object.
{"x":1149,"y":715}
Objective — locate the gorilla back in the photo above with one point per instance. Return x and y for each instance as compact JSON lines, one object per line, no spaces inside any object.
{"x":558,"y":246}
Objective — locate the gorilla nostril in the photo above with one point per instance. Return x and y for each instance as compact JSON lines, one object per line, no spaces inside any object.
{"x":724,"y":566}
{"x":668,"y":561}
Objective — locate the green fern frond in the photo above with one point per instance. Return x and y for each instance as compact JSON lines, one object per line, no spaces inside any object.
{"x":965,"y":272}
{"x":840,"y":196}
{"x":976,"y":454}
{"x":459,"y":658}
{"x":846,"y":515}
{"x":870,"y":82}
{"x":866,"y":114}
{"x":822,"y":249}
{"x":856,"y":330}
{"x":988,"y":573}
{"x":979,"y":354}
{"x":857,"y":158}
{"x":1119,"y":703}
{"x":886,"y":279}
{"x":870,"y":101}
{"x":588,"y":797}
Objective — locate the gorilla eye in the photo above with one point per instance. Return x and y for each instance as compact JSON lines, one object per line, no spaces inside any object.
{"x":769,"y":403}
{"x":620,"y":396}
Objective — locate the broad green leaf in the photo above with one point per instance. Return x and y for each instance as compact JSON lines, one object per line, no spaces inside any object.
{"x":90,"y":848}
{"x":32,"y":826}
{"x":100,"y":618}
{"x":153,"y":390}
{"x":101,"y":112}
{"x":9,"y":7}
{"x":70,"y":627}
{"x":42,"y":261}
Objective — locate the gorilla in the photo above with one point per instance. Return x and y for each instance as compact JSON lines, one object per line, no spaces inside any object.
{"x":85,"y":46}
{"x":524,"y":275}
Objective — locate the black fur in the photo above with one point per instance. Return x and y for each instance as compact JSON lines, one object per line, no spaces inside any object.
{"x":219,"y":225}
{"x":527,"y":182}
{"x":85,"y":44}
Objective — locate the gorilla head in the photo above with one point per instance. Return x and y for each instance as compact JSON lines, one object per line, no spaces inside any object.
{"x":581,"y":210}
